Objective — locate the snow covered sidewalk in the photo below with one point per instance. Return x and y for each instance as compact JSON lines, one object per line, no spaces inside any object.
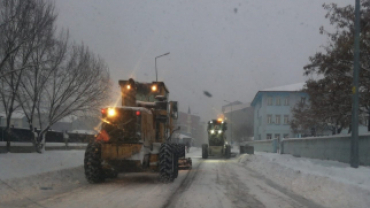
{"x":330,"y":183}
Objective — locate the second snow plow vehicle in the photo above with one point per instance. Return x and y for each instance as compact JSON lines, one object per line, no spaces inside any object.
{"x":136,"y":136}
{"x":217,"y":143}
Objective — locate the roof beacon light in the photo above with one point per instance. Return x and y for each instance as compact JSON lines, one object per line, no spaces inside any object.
{"x":103,"y":111}
{"x":219,"y":120}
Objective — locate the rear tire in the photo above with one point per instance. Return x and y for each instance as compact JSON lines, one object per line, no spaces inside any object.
{"x":227,"y":151}
{"x":167,"y":158}
{"x":204,"y":151}
{"x":181,"y":150}
{"x":92,"y":163}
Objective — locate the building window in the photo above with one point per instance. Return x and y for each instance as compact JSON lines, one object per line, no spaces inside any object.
{"x":286,"y":101}
{"x":286,"y":119}
{"x":286,"y":136}
{"x":269,"y":119}
{"x":277,"y":101}
{"x":303,"y":100}
{"x":277,"y":118}
{"x":277,"y":136}
{"x":269,"y":101}
{"x":269,"y":136}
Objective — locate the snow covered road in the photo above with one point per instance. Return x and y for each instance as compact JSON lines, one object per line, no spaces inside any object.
{"x":214,"y":182}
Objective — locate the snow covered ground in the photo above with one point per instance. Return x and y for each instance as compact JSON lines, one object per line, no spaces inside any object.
{"x":19,"y":165}
{"x":56,"y":179}
{"x":329,"y":183}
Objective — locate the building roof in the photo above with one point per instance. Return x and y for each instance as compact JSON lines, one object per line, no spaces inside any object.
{"x":286,"y":88}
{"x":298,"y":87}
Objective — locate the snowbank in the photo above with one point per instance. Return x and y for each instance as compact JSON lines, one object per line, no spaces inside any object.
{"x":19,"y":165}
{"x":330,"y":183}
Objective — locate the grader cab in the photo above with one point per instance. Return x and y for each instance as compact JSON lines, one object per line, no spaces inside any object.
{"x":136,"y":136}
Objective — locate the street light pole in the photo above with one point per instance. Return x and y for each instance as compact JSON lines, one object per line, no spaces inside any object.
{"x":156,"y":71}
{"x":355,"y":105}
{"x":231,"y":120}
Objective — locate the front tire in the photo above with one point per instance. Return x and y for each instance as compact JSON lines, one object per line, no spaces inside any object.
{"x":92,"y":163}
{"x":204,"y":151}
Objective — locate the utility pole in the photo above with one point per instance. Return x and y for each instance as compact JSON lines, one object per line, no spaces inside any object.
{"x":156,"y":71}
{"x":355,"y":103}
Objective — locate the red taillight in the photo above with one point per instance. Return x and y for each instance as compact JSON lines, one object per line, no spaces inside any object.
{"x":138,"y":113}
{"x":103,"y":111}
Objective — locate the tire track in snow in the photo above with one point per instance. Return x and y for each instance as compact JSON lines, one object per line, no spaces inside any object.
{"x":185,"y":184}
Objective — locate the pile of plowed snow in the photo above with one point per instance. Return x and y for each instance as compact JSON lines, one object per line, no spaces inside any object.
{"x":329,"y":183}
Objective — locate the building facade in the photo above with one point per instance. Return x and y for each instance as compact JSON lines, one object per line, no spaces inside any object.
{"x":273,"y":111}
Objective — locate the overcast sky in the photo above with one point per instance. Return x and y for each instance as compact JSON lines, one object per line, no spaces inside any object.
{"x":230,"y":48}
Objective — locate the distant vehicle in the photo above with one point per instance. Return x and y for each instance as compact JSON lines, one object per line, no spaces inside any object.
{"x":136,"y":136}
{"x":217,"y":143}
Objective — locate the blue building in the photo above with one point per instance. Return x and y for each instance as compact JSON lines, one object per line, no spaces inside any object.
{"x":272,"y":111}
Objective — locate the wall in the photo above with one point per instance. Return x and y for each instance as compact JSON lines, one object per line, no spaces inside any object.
{"x":335,"y":148}
{"x":264,"y":145}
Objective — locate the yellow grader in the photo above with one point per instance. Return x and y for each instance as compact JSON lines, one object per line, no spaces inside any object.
{"x":137,"y":135}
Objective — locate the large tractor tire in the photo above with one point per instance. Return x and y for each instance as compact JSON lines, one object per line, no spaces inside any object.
{"x":167,"y":157}
{"x":204,"y":151}
{"x":227,"y":151}
{"x":92,"y":163}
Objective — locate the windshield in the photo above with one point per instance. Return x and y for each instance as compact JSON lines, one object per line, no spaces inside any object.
{"x":185,"y":103}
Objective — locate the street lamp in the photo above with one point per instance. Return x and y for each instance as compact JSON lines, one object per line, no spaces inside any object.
{"x":156,"y":71}
{"x":231,"y":119}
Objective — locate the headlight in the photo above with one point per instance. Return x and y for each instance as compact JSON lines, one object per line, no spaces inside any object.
{"x":212,"y":131}
{"x":219,"y":131}
{"x":111,"y":112}
{"x":154,"y":88}
{"x":128,"y":87}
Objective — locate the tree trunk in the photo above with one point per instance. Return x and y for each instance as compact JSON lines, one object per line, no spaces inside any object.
{"x":40,"y":146}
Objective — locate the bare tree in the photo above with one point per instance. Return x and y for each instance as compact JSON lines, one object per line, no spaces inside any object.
{"x":22,"y":23}
{"x":79,"y":84}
